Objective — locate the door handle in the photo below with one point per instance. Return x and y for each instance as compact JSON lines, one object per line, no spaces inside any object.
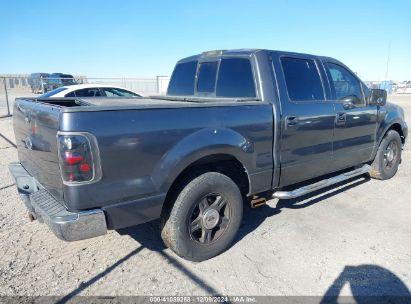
{"x":291,"y":121}
{"x":341,"y":118}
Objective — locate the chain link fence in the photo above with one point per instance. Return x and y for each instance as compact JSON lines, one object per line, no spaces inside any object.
{"x":12,"y":87}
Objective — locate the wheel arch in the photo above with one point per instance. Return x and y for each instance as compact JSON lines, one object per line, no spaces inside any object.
{"x":222,"y":163}
{"x":204,"y":147}
{"x":398,"y":128}
{"x":395,"y":125}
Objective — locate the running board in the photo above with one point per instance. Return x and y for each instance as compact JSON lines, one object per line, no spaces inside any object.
{"x":321,"y":184}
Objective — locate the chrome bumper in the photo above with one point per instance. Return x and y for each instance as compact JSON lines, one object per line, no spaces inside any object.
{"x":66,"y":225}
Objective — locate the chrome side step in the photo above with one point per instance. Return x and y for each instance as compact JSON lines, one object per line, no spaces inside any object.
{"x":321,"y":184}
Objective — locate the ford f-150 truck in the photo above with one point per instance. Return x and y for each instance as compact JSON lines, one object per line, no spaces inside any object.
{"x":232,"y":125}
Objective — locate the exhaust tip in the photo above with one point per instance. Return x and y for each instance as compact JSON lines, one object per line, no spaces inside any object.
{"x":258,"y":201}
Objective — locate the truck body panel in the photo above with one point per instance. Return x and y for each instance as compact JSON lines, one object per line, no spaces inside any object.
{"x":35,"y":127}
{"x":144,"y":145}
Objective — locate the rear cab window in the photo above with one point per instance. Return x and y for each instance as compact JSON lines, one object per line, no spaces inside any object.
{"x":183,"y":78}
{"x":207,"y":74}
{"x":302,"y":79}
{"x":222,"y":77}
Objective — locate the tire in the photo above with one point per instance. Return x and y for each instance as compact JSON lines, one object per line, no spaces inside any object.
{"x":204,"y":218}
{"x":388,"y":157}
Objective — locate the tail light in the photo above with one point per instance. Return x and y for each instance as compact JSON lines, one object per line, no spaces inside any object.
{"x":79,"y":158}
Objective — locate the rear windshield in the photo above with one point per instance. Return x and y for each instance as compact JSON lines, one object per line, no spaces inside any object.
{"x":182,"y":80}
{"x":52,"y":92}
{"x":207,"y":73}
{"x":228,"y":77}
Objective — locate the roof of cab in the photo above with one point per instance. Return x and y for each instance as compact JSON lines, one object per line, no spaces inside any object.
{"x":240,"y":52}
{"x":219,"y":53}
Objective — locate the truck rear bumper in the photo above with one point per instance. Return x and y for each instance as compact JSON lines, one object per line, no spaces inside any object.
{"x":66,"y":225}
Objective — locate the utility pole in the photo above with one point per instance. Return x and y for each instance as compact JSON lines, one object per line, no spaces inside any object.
{"x":388,"y":60}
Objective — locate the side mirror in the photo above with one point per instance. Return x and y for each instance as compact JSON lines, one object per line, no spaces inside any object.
{"x":378,"y":97}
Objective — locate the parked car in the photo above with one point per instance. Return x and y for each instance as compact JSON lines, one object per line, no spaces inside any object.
{"x":57,"y":80}
{"x":37,"y":81}
{"x":234,"y":124}
{"x":90,"y":90}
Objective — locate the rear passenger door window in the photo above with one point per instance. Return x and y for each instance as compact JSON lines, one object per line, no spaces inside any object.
{"x":207,"y":73}
{"x":344,"y":85}
{"x":302,"y":79}
{"x":235,"y":79}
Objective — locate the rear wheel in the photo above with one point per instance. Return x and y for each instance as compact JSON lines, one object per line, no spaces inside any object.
{"x":388,"y":157}
{"x":204,"y":218}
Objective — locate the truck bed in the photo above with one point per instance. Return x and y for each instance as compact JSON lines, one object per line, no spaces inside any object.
{"x":104,"y":103}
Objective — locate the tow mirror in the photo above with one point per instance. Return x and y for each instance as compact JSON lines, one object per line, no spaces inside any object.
{"x":378,"y":97}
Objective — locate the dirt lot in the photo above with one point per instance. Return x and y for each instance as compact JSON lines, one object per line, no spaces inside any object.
{"x":350,"y":240}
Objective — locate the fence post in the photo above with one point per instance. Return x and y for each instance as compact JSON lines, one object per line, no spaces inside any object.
{"x":7,"y":96}
{"x":42,"y":85}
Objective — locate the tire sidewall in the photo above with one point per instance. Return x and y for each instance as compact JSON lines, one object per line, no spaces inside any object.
{"x":387,"y":173}
{"x":198,"y":188}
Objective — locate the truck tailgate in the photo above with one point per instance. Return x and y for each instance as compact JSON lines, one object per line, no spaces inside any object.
{"x":35,"y":126}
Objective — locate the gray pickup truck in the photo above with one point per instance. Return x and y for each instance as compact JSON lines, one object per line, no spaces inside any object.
{"x":233,"y":124}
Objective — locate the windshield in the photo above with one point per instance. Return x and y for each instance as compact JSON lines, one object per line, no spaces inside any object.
{"x":52,"y":92}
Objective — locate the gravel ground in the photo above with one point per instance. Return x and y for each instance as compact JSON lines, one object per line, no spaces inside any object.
{"x":350,"y":240}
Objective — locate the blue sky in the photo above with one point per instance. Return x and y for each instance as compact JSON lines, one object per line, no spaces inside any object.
{"x":146,"y":38}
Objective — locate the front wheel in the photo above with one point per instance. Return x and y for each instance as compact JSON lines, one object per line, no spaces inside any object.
{"x":388,"y":157}
{"x":204,"y":218}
